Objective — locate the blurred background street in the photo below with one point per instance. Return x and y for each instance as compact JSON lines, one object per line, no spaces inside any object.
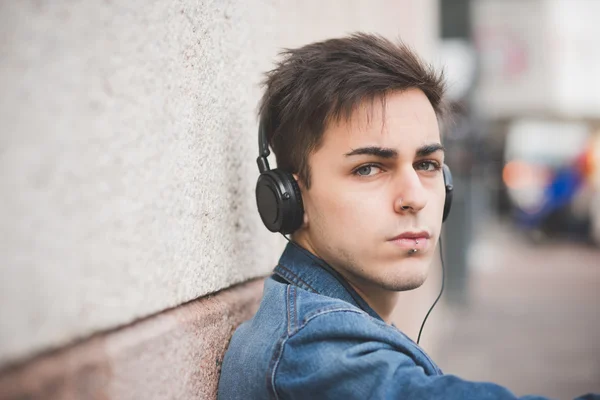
{"x":532,"y":322}
{"x":522,"y":245}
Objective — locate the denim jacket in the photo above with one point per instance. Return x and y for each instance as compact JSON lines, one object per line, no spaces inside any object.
{"x":314,"y":337}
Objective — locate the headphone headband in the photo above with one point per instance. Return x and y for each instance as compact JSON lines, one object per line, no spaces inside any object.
{"x":263,"y":148}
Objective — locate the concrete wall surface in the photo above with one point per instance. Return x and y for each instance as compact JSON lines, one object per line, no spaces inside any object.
{"x":127,"y":148}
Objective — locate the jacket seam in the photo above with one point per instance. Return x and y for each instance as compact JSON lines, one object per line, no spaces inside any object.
{"x":274,"y":364}
{"x":295,"y":308}
{"x":323,"y":312}
{"x":287,"y":298}
{"x":333,"y":307}
{"x":297,"y":278}
{"x":292,"y":309}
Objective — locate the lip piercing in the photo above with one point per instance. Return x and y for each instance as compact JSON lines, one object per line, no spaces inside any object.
{"x":416,"y":241}
{"x":412,"y":251}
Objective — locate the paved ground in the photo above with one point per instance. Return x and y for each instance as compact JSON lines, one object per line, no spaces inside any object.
{"x":533,"y":319}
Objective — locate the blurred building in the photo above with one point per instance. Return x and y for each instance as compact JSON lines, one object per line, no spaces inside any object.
{"x":538,"y":58}
{"x":538,"y":90}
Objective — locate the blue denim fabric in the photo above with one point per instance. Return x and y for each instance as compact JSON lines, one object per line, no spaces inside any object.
{"x":314,"y":337}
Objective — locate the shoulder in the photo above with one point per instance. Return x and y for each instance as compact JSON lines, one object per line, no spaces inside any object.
{"x":310,"y":308}
{"x":325,"y":321}
{"x":338,"y":351}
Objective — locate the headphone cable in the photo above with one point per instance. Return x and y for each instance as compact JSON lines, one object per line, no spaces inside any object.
{"x":439,"y":295}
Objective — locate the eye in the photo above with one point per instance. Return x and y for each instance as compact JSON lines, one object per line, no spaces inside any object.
{"x":367,"y":170}
{"x":428,"y":166}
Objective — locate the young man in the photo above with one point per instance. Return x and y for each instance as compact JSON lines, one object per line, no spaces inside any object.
{"x":353,"y":123}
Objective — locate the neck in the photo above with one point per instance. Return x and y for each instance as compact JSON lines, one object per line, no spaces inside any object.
{"x":382,"y":301}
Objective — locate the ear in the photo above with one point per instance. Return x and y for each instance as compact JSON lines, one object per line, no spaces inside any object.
{"x":302,"y":192}
{"x":299,"y":182}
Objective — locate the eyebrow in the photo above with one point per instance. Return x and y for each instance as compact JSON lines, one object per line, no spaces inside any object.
{"x":380,"y":152}
{"x":387,"y":153}
{"x":430,"y":149}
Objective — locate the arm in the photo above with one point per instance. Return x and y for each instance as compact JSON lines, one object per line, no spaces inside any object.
{"x":330,"y":358}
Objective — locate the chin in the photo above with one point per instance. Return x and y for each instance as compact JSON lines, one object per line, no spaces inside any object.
{"x":404,"y":285}
{"x":405,"y":280}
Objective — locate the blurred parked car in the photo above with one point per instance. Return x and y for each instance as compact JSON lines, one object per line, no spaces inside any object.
{"x":551,"y":177}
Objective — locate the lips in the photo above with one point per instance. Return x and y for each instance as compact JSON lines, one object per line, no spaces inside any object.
{"x":412,"y":240}
{"x":413,"y":235}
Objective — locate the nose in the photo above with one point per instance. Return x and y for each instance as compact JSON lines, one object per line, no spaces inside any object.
{"x":409,"y":194}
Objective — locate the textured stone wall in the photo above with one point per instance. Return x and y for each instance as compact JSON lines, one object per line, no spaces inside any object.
{"x":127,"y":148}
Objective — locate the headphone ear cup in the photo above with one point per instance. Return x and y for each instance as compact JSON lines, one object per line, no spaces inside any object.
{"x":449,"y":188}
{"x":279,"y":201}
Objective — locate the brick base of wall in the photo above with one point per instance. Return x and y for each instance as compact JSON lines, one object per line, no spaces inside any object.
{"x":173,"y":355}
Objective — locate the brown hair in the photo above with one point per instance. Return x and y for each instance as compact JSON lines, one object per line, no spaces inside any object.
{"x":325,"y":81}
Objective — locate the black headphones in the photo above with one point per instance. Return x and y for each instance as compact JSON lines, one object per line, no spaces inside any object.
{"x":278,"y":196}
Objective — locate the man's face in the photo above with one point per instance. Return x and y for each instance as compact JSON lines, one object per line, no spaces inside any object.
{"x":377,"y":191}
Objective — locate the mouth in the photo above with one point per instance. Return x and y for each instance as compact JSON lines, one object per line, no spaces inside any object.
{"x":419,"y":240}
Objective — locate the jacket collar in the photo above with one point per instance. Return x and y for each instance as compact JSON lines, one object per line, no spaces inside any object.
{"x":301,"y":268}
